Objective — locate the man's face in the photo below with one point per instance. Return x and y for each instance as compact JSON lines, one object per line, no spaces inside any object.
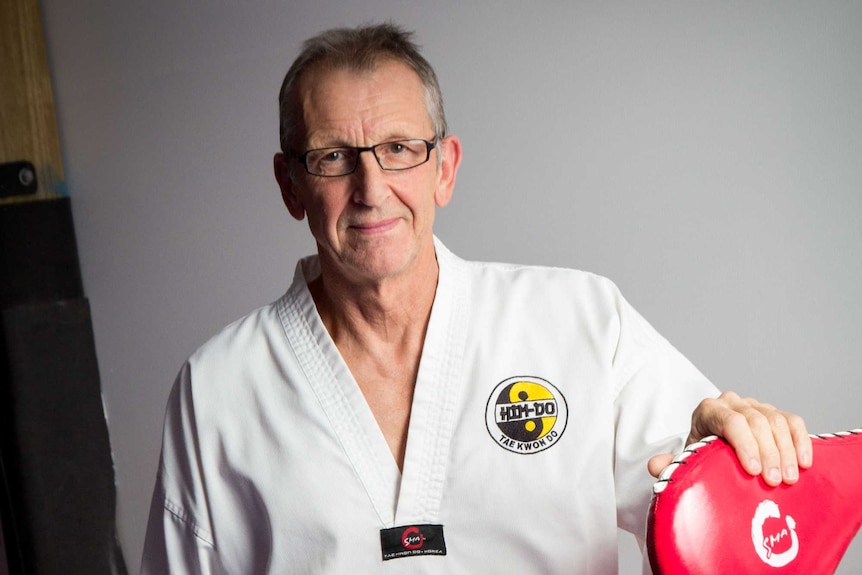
{"x":371,"y":224}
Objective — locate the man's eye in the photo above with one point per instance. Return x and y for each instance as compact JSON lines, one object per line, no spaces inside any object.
{"x":396,"y":148}
{"x":333,"y":156}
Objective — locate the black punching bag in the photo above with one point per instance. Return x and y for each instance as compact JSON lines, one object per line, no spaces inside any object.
{"x":57,"y":493}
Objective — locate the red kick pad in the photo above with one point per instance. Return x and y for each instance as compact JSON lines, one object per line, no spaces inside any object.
{"x":709,"y":516}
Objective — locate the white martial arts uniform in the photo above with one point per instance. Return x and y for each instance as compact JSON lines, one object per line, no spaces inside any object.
{"x":272,"y":461}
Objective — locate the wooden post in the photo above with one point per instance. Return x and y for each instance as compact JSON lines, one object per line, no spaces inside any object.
{"x":28,"y":125}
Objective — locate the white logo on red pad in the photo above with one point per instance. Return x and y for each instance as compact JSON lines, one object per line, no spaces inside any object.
{"x":774,"y":536}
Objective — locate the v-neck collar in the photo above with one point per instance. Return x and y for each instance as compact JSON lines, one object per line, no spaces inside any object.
{"x":416,"y":494}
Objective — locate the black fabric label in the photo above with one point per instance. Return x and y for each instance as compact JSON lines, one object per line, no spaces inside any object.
{"x":411,"y":541}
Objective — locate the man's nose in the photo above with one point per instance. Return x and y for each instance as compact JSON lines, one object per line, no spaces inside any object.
{"x":369,"y":186}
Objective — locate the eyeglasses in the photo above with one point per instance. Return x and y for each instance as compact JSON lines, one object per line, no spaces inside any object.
{"x":392,"y":156}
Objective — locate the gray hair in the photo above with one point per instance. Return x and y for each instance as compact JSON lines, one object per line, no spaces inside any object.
{"x":360,"y":49}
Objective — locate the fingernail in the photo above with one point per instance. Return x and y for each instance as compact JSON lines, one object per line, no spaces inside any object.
{"x":774,"y":475}
{"x":791,"y":472}
{"x":805,"y":459}
{"x":754,"y":466}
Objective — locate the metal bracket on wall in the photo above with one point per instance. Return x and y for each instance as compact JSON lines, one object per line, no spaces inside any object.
{"x":18,"y":179}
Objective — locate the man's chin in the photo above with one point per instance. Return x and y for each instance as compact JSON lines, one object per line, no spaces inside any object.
{"x":378,"y":264}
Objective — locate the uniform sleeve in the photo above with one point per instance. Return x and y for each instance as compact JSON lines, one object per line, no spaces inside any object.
{"x":179,"y":537}
{"x":656,"y":391}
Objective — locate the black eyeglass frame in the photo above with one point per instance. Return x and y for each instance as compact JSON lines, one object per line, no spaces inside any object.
{"x":303,"y":158}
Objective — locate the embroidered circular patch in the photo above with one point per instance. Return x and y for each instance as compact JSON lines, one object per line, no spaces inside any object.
{"x":526,"y":414}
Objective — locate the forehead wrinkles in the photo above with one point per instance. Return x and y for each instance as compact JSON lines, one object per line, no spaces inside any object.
{"x":361,"y":107}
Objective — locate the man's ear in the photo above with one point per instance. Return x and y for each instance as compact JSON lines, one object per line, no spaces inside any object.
{"x":281,"y":166}
{"x":450,"y":150}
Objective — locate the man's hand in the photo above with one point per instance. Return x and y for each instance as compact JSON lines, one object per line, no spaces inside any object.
{"x":767,"y":441}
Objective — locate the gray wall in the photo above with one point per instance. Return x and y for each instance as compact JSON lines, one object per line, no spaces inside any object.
{"x":705,"y":156}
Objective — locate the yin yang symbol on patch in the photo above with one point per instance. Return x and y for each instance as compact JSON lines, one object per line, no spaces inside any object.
{"x":526,"y":414}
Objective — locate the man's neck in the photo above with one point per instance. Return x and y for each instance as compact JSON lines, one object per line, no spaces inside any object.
{"x":389,"y":313}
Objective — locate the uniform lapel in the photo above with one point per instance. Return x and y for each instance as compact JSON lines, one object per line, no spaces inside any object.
{"x":416,"y":495}
{"x":436,"y":397}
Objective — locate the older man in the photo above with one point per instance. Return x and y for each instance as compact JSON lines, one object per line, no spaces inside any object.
{"x":400,"y":409}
